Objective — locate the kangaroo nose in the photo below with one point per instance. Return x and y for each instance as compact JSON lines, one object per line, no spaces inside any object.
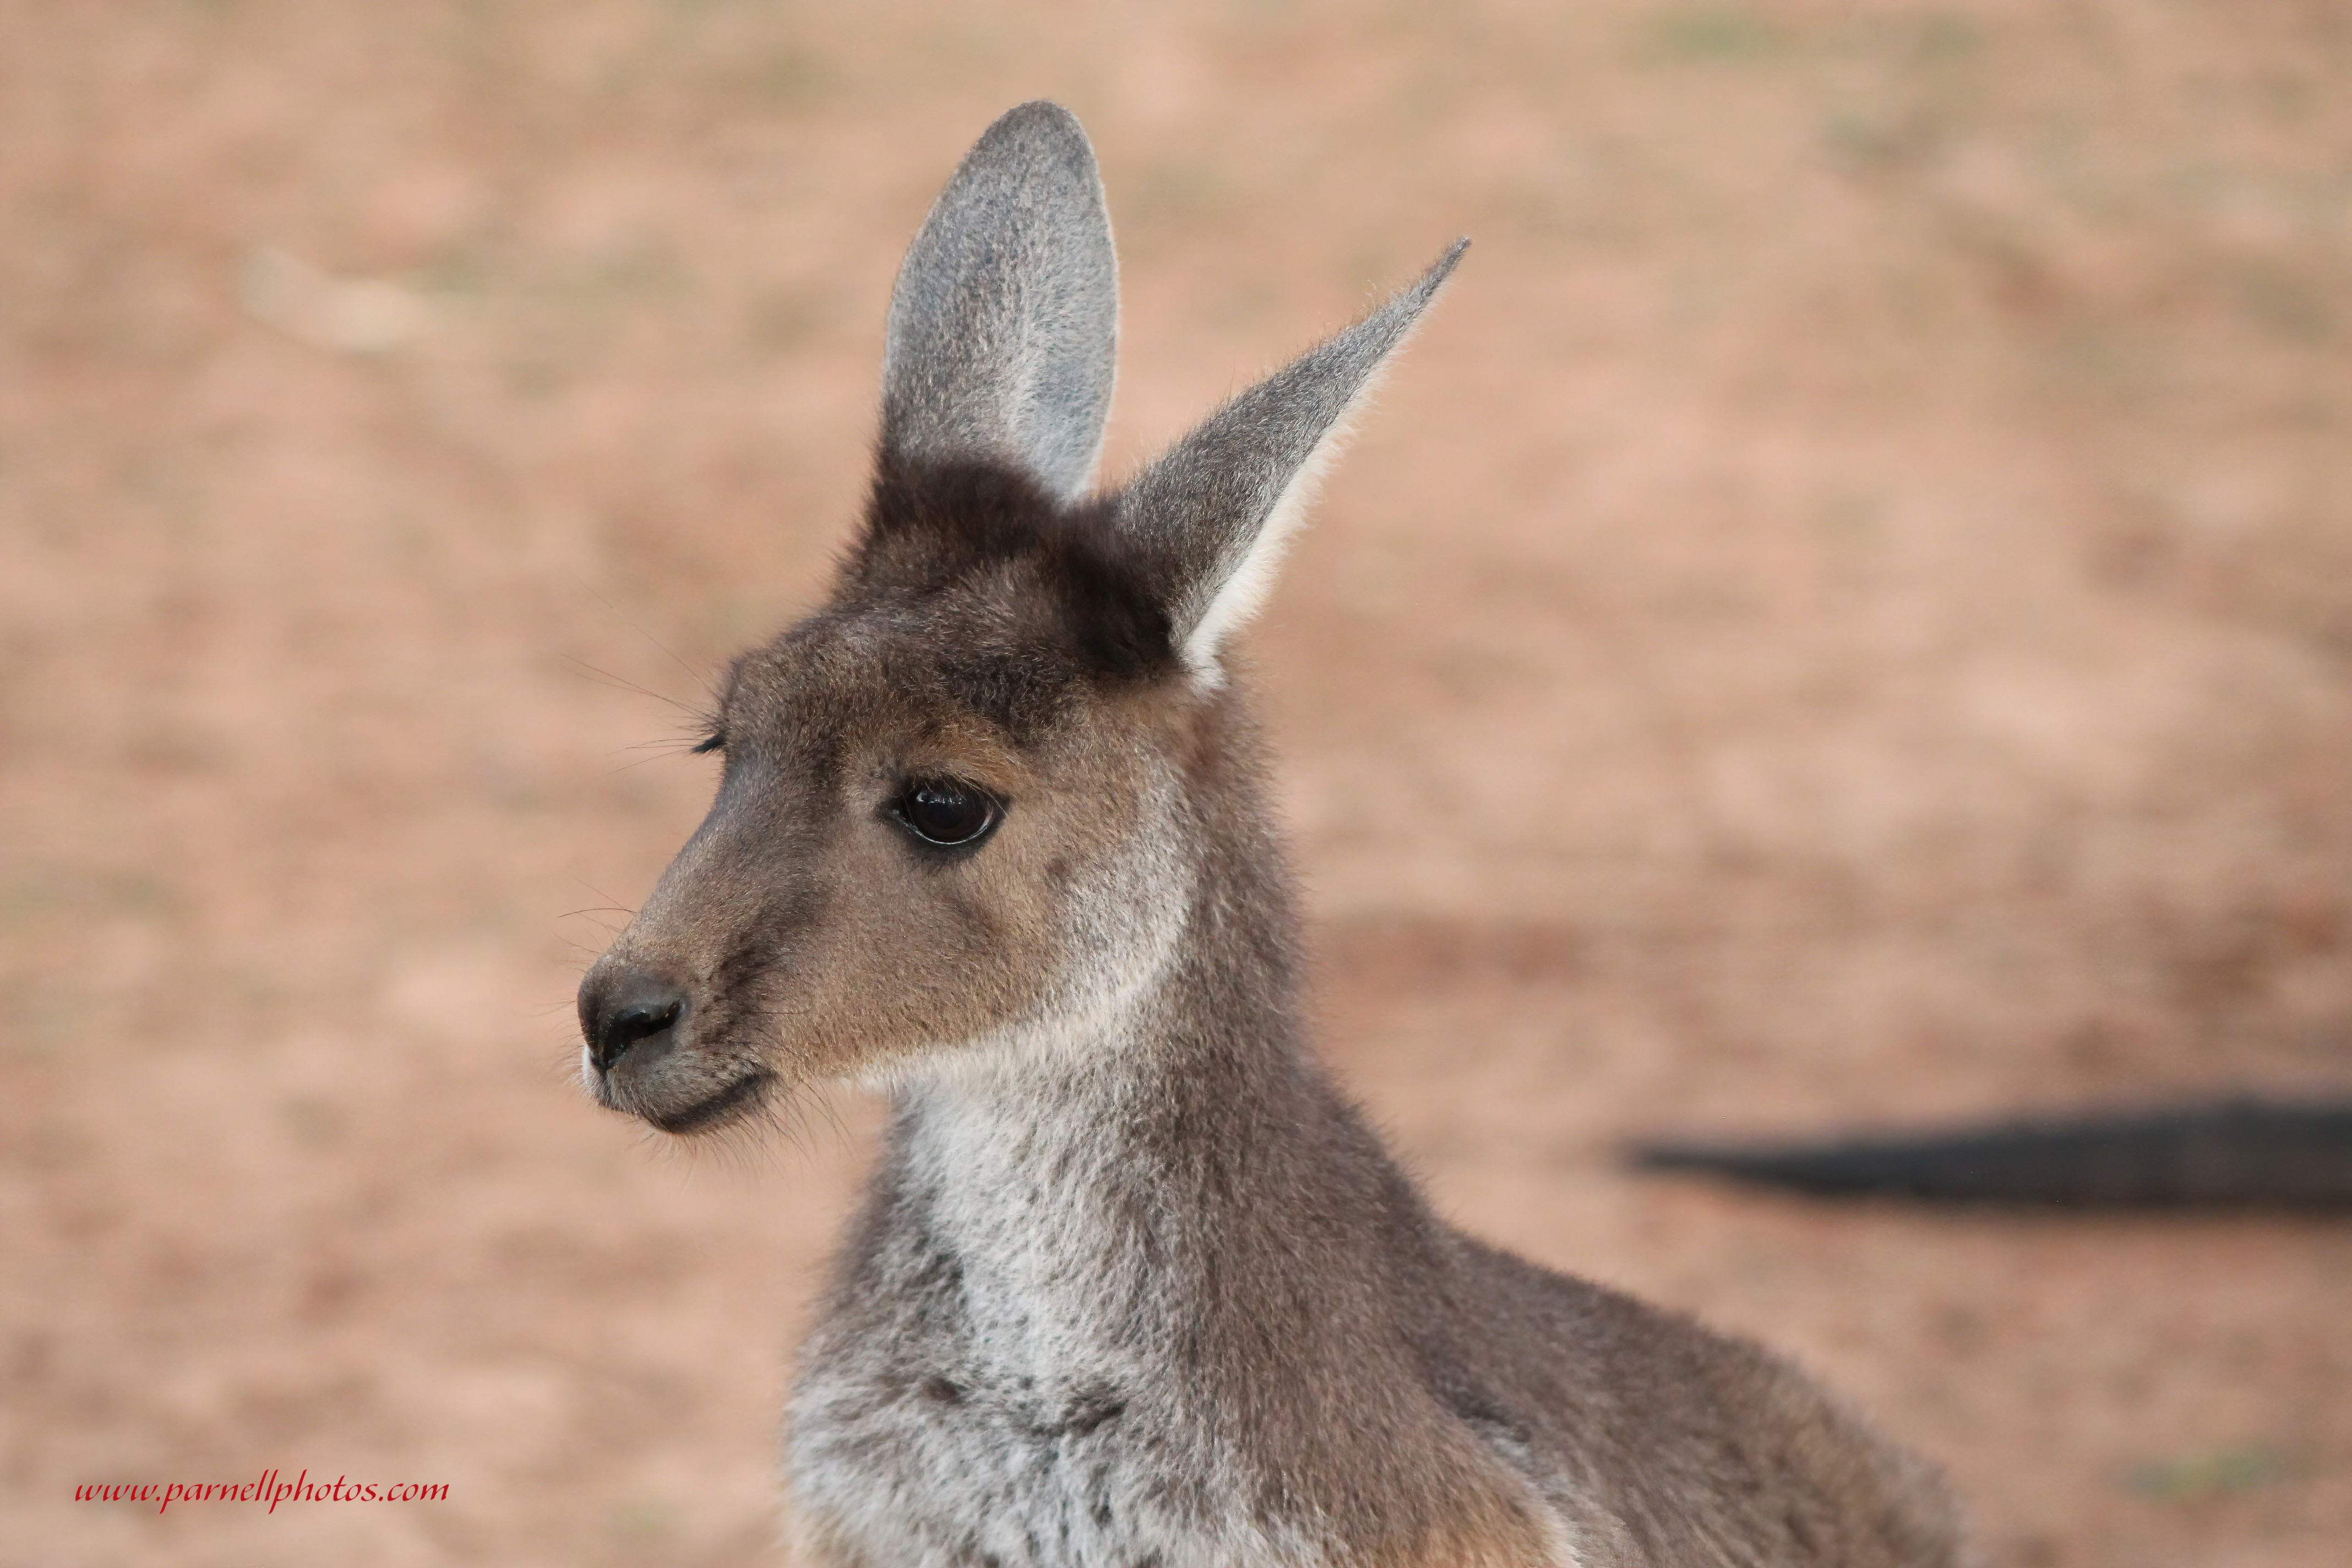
{"x":618,"y":1015}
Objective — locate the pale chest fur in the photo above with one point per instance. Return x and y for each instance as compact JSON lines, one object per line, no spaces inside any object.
{"x":1001,"y":1376}
{"x":1012,"y":1370}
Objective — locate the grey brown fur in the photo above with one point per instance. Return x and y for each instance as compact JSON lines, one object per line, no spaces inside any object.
{"x":1133,"y":1283}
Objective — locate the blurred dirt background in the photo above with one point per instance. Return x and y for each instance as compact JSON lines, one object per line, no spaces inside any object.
{"x":1846,"y":614}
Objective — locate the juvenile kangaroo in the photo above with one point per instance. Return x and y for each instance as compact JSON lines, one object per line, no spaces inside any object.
{"x":1133,"y":1283}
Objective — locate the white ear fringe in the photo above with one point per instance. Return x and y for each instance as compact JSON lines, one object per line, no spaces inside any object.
{"x":1243,"y":592}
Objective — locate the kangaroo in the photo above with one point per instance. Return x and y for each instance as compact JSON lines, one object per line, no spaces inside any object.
{"x":1133,"y":1282}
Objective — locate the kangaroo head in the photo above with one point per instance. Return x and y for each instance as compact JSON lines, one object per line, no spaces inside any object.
{"x":964,"y":804}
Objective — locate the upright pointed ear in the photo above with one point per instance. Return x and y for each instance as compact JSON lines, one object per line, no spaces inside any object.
{"x":1209,"y":521}
{"x":1004,"y":322}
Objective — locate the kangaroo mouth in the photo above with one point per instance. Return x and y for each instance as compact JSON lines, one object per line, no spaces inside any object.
{"x":734,"y":1102}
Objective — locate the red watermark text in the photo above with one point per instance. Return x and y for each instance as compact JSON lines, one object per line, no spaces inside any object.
{"x":271,"y":1488}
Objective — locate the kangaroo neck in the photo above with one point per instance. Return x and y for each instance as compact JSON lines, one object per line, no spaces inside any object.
{"x":1139,"y":1099}
{"x":1171,"y":1131}
{"x":1191,"y":1028}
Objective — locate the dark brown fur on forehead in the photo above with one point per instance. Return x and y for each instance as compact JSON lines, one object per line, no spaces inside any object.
{"x":1044,"y":583}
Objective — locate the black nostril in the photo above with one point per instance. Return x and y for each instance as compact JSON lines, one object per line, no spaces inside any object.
{"x":640,"y":1017}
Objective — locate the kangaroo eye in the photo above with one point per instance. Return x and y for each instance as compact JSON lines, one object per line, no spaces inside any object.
{"x":943,"y":812}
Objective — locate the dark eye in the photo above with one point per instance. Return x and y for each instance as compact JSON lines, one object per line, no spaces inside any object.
{"x":943,"y":812}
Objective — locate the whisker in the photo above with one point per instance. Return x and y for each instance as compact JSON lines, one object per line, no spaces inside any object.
{"x":679,"y":750}
{"x":611,"y":904}
{"x":633,"y":626}
{"x":702,"y":717}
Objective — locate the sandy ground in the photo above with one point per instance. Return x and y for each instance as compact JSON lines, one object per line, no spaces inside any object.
{"x":1846,"y":614}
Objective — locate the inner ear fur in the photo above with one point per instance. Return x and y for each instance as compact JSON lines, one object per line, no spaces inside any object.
{"x":1003,"y":329}
{"x":1209,"y":521}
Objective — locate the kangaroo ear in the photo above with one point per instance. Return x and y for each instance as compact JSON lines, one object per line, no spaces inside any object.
{"x":1209,"y":520}
{"x":1004,"y":323}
